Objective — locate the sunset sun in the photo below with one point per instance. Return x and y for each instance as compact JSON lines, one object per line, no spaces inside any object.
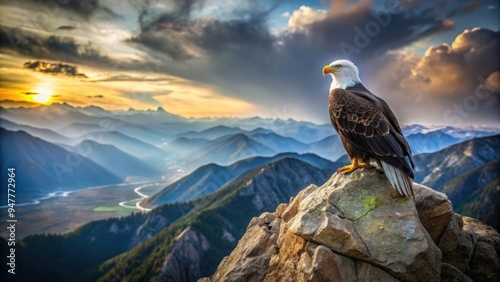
{"x":44,"y":93}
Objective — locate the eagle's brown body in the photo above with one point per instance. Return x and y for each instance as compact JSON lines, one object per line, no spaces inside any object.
{"x":369,"y":130}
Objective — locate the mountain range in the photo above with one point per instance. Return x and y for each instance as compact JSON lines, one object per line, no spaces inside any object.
{"x":155,"y":141}
{"x":183,"y":241}
{"x":236,"y":168}
{"x":42,"y":133}
{"x":210,"y":178}
{"x":42,"y":167}
{"x":115,"y":160}
{"x":468,"y":173}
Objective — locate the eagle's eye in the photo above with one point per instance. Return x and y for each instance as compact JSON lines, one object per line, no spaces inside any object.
{"x":338,"y":66}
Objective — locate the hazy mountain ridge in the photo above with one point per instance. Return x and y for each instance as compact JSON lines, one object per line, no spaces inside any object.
{"x":42,"y":167}
{"x":209,"y":178}
{"x":126,"y":143}
{"x":226,"y":150}
{"x":157,"y":126}
{"x":279,"y":143}
{"x":475,"y":193}
{"x":211,"y":133}
{"x":43,"y":133}
{"x":464,"y":132}
{"x":330,"y":147}
{"x":115,"y":160}
{"x":467,"y":173}
{"x":146,"y":135}
{"x":437,"y":168}
{"x":430,"y":142}
{"x":181,"y":145}
{"x":141,"y":132}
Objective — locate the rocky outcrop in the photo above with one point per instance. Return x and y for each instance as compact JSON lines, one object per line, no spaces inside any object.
{"x":356,"y":228}
{"x":183,"y":262}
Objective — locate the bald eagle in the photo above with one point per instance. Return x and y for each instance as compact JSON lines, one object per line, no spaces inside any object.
{"x":368,"y":128}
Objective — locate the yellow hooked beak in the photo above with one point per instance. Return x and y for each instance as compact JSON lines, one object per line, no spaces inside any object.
{"x":327,"y":69}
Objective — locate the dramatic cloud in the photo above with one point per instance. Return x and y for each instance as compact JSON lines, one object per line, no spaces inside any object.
{"x":471,"y":57}
{"x":491,"y":84}
{"x":51,"y":68}
{"x":244,"y":60}
{"x":459,"y":82}
{"x":447,"y":70}
{"x":305,"y":16}
{"x":95,"y":96}
{"x":84,"y":9}
{"x":52,"y":47}
{"x":176,"y":34}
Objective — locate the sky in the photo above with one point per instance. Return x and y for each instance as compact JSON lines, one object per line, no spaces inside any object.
{"x":434,"y":62}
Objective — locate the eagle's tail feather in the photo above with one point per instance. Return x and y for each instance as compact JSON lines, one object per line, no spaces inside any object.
{"x":398,"y":179}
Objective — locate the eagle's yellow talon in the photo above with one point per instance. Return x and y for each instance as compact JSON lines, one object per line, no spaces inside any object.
{"x":356,"y":163}
{"x":347,"y":168}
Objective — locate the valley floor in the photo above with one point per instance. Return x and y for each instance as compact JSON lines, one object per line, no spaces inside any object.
{"x":66,"y":213}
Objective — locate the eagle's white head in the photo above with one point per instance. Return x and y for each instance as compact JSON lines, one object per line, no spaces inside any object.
{"x":344,"y":74}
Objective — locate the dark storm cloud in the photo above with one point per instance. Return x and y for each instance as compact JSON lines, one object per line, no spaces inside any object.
{"x":178,"y":36}
{"x":50,"y":47}
{"x":66,"y":27}
{"x":164,"y":31}
{"x":164,"y":43}
{"x":217,"y":36}
{"x":55,"y":69}
{"x":83,"y":8}
{"x":149,"y":18}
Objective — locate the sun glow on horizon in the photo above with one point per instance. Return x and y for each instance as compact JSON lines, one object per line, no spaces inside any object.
{"x":43,"y":94}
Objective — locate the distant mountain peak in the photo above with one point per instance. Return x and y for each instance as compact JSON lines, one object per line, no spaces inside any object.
{"x":240,"y":136}
{"x":219,"y":127}
{"x":93,"y":107}
{"x":67,"y":106}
